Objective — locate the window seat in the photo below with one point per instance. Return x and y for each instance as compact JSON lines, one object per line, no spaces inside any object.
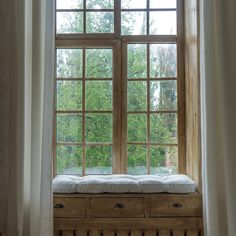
{"x":121,"y":183}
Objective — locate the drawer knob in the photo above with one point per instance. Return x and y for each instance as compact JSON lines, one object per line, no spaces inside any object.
{"x":177,"y":205}
{"x":59,"y":206}
{"x":119,"y":206}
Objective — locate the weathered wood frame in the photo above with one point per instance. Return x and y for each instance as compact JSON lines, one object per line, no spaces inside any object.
{"x":118,"y":43}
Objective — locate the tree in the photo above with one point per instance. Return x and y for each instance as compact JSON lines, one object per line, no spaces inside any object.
{"x":98,"y":96}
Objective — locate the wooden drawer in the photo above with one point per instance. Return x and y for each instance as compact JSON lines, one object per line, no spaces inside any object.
{"x":175,"y":205}
{"x":69,"y":207}
{"x":117,"y":207}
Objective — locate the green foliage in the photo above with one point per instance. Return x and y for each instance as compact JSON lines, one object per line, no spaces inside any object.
{"x":98,"y":96}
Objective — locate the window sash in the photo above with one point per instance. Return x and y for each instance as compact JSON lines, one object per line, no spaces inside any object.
{"x":119,"y":45}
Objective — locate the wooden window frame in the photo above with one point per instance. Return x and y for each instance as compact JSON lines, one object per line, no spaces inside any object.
{"x":117,"y":42}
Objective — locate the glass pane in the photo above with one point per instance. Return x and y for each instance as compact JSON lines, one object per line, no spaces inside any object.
{"x":163,"y":22}
{"x":98,"y":128}
{"x":137,"y":128}
{"x":163,"y":95}
{"x":162,"y":3}
{"x":69,"y":160}
{"x":164,"y":128}
{"x":163,"y":62}
{"x":99,"y":4}
{"x":137,"y":96}
{"x":100,"y":22}
{"x":127,"y":4}
{"x":69,"y":63}
{"x":133,"y":23}
{"x":164,"y":160}
{"x":136,"y":160}
{"x":99,"y":63}
{"x":69,"y":128}
{"x":98,"y":95}
{"x":98,"y":160}
{"x":69,"y":95}
{"x":69,"y":22}
{"x":69,"y":4}
{"x":137,"y":61}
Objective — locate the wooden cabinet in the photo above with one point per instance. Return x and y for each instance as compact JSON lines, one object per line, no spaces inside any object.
{"x":127,"y":214}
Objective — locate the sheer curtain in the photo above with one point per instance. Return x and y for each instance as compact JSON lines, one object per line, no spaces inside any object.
{"x":26,"y":176}
{"x":218,"y":78}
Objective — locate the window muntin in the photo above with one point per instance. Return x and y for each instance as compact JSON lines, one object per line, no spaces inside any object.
{"x":147,"y":17}
{"x":142,"y":132}
{"x":84,"y":16}
{"x":84,"y":110}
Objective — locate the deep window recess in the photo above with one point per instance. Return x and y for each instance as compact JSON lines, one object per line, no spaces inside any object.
{"x":119,"y":87}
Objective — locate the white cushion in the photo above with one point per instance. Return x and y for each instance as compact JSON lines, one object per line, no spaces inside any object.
{"x":123,"y":184}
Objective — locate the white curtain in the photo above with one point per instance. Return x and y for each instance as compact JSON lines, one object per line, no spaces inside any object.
{"x":218,"y":94}
{"x":28,"y":36}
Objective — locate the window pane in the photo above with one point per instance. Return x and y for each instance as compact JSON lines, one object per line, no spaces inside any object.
{"x":100,"y":22}
{"x":137,"y":96}
{"x":127,"y":4}
{"x":69,"y":4}
{"x":98,"y":95}
{"x":69,"y":63}
{"x":163,"y":22}
{"x":137,"y":128}
{"x":69,"y":22}
{"x":99,"y":4}
{"x":137,"y":61}
{"x":136,"y":160}
{"x":98,"y":160}
{"x":164,"y":160}
{"x":69,"y":95}
{"x":163,"y":95}
{"x":163,"y":62}
{"x":133,"y":23}
{"x":69,"y":160}
{"x":164,"y":128}
{"x":98,"y":128}
{"x":162,"y":3}
{"x":99,"y":63}
{"x":69,"y":128}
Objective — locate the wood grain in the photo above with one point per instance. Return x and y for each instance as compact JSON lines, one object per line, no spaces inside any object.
{"x":182,"y":205}
{"x":193,"y":142}
{"x":166,"y":223}
{"x":72,"y":207}
{"x":178,"y":233}
{"x":117,"y":207}
{"x":164,"y":233}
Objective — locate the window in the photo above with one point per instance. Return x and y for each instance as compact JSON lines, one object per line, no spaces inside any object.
{"x":119,"y":87}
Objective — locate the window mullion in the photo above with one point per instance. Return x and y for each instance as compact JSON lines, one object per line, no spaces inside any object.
{"x":117,"y":106}
{"x":124,"y":160}
{"x":83,"y":116}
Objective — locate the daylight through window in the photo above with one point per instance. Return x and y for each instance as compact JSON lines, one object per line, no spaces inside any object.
{"x":119,"y":87}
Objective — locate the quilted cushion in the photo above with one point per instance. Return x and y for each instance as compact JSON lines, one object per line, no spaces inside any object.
{"x":123,"y":184}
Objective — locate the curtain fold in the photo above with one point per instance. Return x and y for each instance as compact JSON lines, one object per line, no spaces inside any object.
{"x":218,"y":98}
{"x":28,"y":167}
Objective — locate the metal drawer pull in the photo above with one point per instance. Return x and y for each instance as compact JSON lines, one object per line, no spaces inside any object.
{"x":177,"y":205}
{"x":59,"y":206}
{"x":119,"y":206}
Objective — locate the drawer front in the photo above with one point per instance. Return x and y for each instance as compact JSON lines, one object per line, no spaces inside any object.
{"x":69,"y":207}
{"x":175,"y":205}
{"x":117,"y":207}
